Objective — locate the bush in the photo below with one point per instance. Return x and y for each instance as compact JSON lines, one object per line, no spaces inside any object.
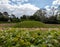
{"x":30,"y":24}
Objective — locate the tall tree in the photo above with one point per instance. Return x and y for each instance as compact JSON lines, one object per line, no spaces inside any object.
{"x":13,"y":16}
{"x":40,"y":14}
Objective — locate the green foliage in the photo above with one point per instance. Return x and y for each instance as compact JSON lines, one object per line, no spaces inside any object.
{"x":23,"y":38}
{"x":30,"y":24}
{"x":5,"y":17}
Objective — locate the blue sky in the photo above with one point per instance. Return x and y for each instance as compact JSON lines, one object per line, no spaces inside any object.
{"x":37,"y":3}
{"x":41,"y":3}
{"x":27,"y":7}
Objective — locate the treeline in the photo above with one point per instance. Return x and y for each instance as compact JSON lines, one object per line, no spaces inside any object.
{"x":42,"y":16}
{"x":5,"y":17}
{"x":44,"y":19}
{"x":38,"y":16}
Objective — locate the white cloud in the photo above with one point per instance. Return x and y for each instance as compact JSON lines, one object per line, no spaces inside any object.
{"x":18,"y":2}
{"x":4,"y":1}
{"x":56,"y":2}
{"x":17,"y":9}
{"x":50,"y":10}
{"x":47,"y":8}
{"x":27,"y":9}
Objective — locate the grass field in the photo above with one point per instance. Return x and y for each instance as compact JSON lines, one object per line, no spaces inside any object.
{"x":22,"y":37}
{"x":35,"y":24}
{"x":29,"y":24}
{"x":6,"y":25}
{"x":29,"y":34}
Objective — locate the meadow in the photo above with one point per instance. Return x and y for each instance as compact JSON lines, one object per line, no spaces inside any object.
{"x":29,"y":34}
{"x":35,"y":24}
{"x":28,"y":24}
{"x":19,"y":37}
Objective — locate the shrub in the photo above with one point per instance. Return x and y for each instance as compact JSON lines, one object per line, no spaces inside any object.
{"x":30,"y":24}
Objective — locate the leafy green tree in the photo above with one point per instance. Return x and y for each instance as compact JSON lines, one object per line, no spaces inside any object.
{"x":13,"y":16}
{"x":52,"y":20}
{"x":24,"y":17}
{"x":40,"y":15}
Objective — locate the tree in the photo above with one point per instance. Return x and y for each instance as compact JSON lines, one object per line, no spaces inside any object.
{"x":40,"y":15}
{"x":34,"y":17}
{"x":6,"y":14}
{"x":24,"y":17}
{"x":13,"y":16}
{"x":1,"y":14}
{"x":52,"y":20}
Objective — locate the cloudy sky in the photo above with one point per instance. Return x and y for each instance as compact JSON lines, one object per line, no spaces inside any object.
{"x":27,"y":7}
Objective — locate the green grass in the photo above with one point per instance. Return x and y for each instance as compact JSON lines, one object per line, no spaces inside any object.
{"x":53,"y":25}
{"x":30,"y":24}
{"x":29,"y":38}
{"x":35,"y":24}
